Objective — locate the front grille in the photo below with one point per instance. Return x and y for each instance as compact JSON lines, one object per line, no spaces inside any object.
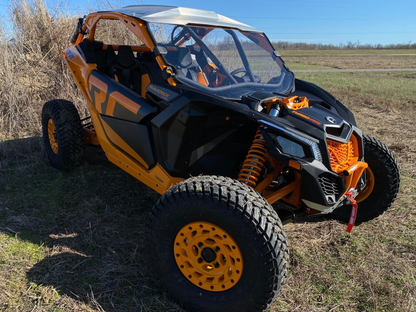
{"x":342,"y":155}
{"x":330,"y":188}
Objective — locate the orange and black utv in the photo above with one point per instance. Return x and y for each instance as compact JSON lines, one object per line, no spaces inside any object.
{"x":203,"y":110}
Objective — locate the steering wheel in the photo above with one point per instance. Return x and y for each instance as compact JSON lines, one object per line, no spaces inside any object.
{"x":237,"y":71}
{"x":243,"y":78}
{"x":234,"y":73}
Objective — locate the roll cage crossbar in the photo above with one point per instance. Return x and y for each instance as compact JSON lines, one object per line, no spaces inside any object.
{"x":242,"y":54}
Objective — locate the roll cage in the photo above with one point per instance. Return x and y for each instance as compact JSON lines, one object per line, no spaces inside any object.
{"x":141,"y":29}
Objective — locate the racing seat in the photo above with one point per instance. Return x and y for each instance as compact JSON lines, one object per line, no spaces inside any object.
{"x":93,"y":53}
{"x":88,"y":48}
{"x":106,"y":59}
{"x":127,"y":68}
{"x":182,"y":60}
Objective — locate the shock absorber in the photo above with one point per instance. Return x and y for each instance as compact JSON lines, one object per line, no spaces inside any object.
{"x":254,"y":162}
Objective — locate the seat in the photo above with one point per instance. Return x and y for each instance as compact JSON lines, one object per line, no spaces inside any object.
{"x":150,"y":67}
{"x":87,"y":50}
{"x":93,"y":53}
{"x":127,"y":69}
{"x":106,"y":59}
{"x":185,"y":65}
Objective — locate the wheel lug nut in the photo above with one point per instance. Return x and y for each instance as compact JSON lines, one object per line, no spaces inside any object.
{"x":216,"y":265}
{"x":200,"y":244}
{"x":217,"y":249}
{"x":200,"y":260}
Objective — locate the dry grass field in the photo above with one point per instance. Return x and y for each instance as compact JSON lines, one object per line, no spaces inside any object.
{"x":350,"y":59}
{"x":74,"y":241}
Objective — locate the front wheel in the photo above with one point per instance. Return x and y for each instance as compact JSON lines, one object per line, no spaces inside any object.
{"x":218,"y":246}
{"x":383,"y":182}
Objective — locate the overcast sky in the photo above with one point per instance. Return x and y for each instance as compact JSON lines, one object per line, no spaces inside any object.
{"x":311,"y":21}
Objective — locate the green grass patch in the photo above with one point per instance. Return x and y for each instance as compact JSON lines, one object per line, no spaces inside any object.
{"x":15,"y":247}
{"x":388,"y":85}
{"x":348,"y":52}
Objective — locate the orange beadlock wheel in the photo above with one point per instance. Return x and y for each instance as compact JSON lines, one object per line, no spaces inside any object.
{"x":52,"y":136}
{"x":208,"y":256}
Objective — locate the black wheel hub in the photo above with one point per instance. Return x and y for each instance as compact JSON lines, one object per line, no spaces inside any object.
{"x":208,"y":255}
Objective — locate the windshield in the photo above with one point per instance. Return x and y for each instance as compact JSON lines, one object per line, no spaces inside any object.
{"x":224,"y":62}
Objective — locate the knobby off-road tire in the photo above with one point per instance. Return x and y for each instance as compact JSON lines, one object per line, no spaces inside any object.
{"x":63,"y":136}
{"x":238,"y":224}
{"x":385,"y":169}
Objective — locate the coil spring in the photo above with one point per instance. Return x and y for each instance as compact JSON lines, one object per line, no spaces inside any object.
{"x":254,"y":162}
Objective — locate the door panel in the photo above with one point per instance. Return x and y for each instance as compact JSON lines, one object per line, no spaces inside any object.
{"x":111,"y":98}
{"x":124,"y":116}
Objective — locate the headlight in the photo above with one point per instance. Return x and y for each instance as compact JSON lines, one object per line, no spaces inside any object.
{"x":288,"y":147}
{"x":291,"y":143}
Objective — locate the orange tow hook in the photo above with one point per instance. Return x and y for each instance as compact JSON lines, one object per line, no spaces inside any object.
{"x":353,"y":210}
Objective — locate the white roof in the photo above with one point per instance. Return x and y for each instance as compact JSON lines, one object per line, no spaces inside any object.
{"x":181,"y":16}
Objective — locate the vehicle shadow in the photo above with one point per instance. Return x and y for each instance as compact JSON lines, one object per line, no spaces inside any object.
{"x":87,"y":228}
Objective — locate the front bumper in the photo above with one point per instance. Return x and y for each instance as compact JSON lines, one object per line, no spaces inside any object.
{"x":324,"y":190}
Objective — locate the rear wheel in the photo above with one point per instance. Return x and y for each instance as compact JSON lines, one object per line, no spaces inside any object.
{"x":218,"y":246}
{"x":63,"y":136}
{"x":383,"y":182}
